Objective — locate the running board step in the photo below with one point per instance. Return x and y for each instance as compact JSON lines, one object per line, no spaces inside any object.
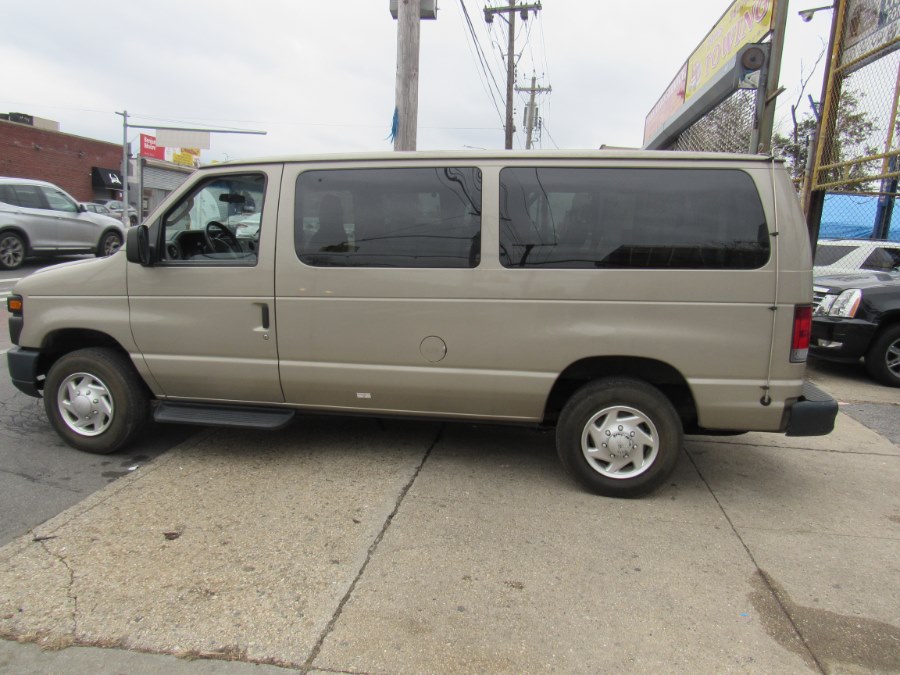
{"x":237,"y":417}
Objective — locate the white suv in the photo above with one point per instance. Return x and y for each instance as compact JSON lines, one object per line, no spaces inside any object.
{"x":39,"y":218}
{"x":839,"y":256}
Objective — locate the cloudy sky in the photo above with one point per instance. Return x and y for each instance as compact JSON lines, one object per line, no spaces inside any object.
{"x":319,"y":76}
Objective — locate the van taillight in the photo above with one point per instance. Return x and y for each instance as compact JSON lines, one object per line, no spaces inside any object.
{"x":800,"y":336}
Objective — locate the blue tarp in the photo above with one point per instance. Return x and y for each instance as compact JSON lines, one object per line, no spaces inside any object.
{"x":853,"y":217}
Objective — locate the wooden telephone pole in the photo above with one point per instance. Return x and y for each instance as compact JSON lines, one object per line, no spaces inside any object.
{"x":531,"y":111}
{"x":510,"y":10}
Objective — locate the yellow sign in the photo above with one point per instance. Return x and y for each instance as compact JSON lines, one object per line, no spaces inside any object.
{"x":744,"y":22}
{"x":192,"y":151}
{"x":183,"y":158}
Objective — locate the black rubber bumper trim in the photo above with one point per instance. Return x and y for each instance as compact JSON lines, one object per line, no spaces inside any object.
{"x":23,"y":369}
{"x":813,"y":414}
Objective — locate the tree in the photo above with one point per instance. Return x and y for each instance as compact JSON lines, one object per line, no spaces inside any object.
{"x":852,"y":139}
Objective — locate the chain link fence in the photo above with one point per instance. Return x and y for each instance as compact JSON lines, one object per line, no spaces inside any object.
{"x":857,"y":162}
{"x":726,"y":128}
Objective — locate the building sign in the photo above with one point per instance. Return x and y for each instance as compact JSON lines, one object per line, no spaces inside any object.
{"x":671,"y":100}
{"x":150,"y":149}
{"x":870,"y":27}
{"x":183,"y":158}
{"x":744,"y":22}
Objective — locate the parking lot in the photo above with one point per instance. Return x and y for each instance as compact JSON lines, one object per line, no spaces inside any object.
{"x":357,"y":545}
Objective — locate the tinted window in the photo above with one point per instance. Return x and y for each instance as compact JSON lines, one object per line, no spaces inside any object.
{"x":29,"y":196}
{"x":6,"y":194}
{"x":828,"y":255}
{"x":883,"y":259}
{"x":631,"y":218}
{"x":389,"y":217}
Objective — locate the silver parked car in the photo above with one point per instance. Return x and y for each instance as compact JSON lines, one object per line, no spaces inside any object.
{"x":116,"y":207}
{"x":40,"y":219}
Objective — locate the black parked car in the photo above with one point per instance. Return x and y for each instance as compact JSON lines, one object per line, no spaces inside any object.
{"x":858,"y":315}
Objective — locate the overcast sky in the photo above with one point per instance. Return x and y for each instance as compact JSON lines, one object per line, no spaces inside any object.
{"x":319,"y":76}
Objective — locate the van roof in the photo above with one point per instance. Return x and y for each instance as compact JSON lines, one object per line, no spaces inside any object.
{"x":533,"y":155}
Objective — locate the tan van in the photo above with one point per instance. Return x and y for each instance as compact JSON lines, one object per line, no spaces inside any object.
{"x":623,"y":297}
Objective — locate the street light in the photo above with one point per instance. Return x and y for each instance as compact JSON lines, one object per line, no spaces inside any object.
{"x":807,"y":14}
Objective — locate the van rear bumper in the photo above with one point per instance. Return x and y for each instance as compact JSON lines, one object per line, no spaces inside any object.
{"x":813,"y":414}
{"x":23,"y":369}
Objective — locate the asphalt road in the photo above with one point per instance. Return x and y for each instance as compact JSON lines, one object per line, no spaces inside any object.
{"x":40,"y":475}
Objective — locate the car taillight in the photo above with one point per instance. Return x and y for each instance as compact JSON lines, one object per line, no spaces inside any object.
{"x":801,"y":333}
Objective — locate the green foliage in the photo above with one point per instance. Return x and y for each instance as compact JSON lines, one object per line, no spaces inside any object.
{"x":853,"y":138}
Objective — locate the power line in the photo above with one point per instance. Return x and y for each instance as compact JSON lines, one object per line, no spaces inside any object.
{"x":485,"y":66}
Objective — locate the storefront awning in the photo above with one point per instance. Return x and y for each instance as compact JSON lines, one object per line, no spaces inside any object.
{"x":106,"y":178}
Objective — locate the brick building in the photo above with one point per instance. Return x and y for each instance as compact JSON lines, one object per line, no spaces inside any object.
{"x":85,"y":168}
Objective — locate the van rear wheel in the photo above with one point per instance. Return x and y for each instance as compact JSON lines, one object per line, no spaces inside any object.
{"x":95,"y":400}
{"x":619,"y":437}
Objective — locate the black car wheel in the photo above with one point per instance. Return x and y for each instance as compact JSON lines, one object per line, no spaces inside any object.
{"x":883,"y":357}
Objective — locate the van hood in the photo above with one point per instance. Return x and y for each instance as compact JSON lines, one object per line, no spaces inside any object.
{"x":92,"y":276}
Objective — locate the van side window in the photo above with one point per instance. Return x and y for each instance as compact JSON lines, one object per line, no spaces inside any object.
{"x":389,"y":217}
{"x":583,"y":218}
{"x":216,"y":223}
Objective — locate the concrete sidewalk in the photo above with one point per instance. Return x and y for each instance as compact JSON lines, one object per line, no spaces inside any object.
{"x":384,"y":546}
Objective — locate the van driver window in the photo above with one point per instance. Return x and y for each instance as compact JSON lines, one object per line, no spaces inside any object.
{"x":217,"y":223}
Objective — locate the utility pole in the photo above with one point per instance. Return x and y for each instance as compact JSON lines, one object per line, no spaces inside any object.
{"x":531,"y":111}
{"x":407,"y":86}
{"x":510,"y":11}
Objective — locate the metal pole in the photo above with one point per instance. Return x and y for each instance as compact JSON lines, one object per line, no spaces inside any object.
{"x":831,"y":88}
{"x":407,"y":84}
{"x":510,"y":73}
{"x":125,"y":220}
{"x":773,"y":68}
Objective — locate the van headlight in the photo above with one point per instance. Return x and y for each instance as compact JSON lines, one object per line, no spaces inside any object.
{"x":843,"y":305}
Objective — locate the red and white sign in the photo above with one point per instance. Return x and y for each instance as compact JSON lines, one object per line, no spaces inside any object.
{"x":150,"y":149}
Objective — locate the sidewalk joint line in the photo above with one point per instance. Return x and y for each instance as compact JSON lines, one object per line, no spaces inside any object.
{"x":762,"y":574}
{"x":314,"y":654}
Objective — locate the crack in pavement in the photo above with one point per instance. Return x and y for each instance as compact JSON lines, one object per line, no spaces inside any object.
{"x":314,"y":654}
{"x":812,"y":658}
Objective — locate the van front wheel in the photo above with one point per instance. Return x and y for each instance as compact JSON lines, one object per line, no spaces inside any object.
{"x":619,"y":437}
{"x":95,"y":400}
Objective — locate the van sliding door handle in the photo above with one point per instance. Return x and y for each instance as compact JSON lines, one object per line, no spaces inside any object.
{"x":265,"y":316}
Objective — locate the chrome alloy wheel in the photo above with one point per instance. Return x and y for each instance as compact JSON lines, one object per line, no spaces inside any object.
{"x":12,"y":251}
{"x":620,"y":442}
{"x":111,"y":244}
{"x":85,"y":404}
{"x":892,"y":357}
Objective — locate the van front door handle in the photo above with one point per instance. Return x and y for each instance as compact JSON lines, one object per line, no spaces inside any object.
{"x":265,"y":317}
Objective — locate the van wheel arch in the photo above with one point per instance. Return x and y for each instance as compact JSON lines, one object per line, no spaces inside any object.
{"x":659,"y":374}
{"x":65,"y":341}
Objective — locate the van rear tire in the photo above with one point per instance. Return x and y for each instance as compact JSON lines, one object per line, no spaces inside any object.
{"x":95,"y":400}
{"x":619,"y":437}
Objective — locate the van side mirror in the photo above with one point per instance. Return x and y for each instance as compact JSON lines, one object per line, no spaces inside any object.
{"x":137,"y":246}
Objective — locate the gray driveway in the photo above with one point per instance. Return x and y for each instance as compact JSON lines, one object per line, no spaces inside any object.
{"x":384,"y":546}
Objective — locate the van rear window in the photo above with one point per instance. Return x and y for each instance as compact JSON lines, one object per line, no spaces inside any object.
{"x":389,"y":217}
{"x":586,"y":218}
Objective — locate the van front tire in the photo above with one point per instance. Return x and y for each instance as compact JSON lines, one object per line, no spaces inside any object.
{"x":619,"y":437}
{"x":95,"y":400}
